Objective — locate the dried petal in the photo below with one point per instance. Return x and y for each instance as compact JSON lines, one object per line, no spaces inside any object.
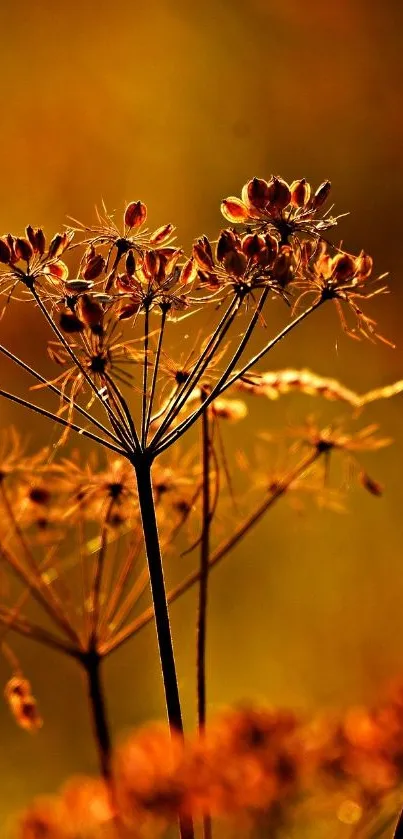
{"x":90,"y":312}
{"x":279,"y":193}
{"x":256,"y":194}
{"x":321,"y":195}
{"x":58,"y":270}
{"x":23,"y":249}
{"x":5,"y":252}
{"x":188,"y":273}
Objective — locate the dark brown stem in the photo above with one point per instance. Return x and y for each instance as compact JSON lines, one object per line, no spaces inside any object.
{"x":160,"y":606}
{"x":203,"y":590}
{"x":92,"y":665}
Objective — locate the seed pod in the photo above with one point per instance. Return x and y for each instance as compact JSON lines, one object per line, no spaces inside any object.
{"x":151,"y":264}
{"x":252,"y":245}
{"x":300,"y":193}
{"x":363,"y":264}
{"x":5,"y":252}
{"x":370,"y":485}
{"x":256,"y":194}
{"x":128,"y":310}
{"x":235,"y":263}
{"x":56,"y":246}
{"x":188,"y":273}
{"x":70,"y":323}
{"x":234,"y":210}
{"x":93,"y":267}
{"x":283,"y":269}
{"x":343,"y":267}
{"x":161,"y":234}
{"x":23,"y":249}
{"x":321,"y":195}
{"x":135,"y":214}
{"x":130,"y":264}
{"x":58,"y":270}
{"x":40,"y":241}
{"x":228,"y":241}
{"x":90,"y":312}
{"x":78,"y":285}
{"x":203,"y":254}
{"x":279,"y":193}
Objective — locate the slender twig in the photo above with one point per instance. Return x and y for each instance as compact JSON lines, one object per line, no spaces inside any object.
{"x":200,"y":367}
{"x":164,"y":313}
{"x":145,"y":379}
{"x":226,"y":546}
{"x":60,"y":393}
{"x":60,"y":421}
{"x":203,"y":590}
{"x":70,"y":351}
{"x":226,"y":382}
{"x":26,"y":627}
{"x":97,"y":579}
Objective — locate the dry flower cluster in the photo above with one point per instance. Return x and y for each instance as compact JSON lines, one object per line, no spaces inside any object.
{"x":267,"y":770}
{"x":74,"y":532}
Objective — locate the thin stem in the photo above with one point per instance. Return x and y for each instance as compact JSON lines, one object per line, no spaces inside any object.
{"x":162,"y":623}
{"x":203,"y":591}
{"x":28,"y":629}
{"x":200,"y":367}
{"x":57,"y":390}
{"x":226,"y":546}
{"x":60,"y":421}
{"x":98,"y":571}
{"x":177,"y":432}
{"x":145,"y":378}
{"x":154,"y":559}
{"x":126,"y":414}
{"x":92,"y":664}
{"x":204,"y":569}
{"x":69,"y":349}
{"x":155,"y":371}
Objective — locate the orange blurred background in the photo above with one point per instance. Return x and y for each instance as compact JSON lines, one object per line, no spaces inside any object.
{"x":178,"y":104}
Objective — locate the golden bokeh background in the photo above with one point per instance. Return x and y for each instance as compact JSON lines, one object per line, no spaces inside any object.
{"x":179,"y":103}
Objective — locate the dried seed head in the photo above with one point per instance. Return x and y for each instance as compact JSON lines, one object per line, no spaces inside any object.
{"x":93,"y":267}
{"x":5,"y":252}
{"x":70,"y":323}
{"x":23,"y":249}
{"x":59,"y":244}
{"x":91,"y":312}
{"x":256,"y":194}
{"x":235,"y":263}
{"x":234,"y":210}
{"x":151,"y":264}
{"x":161,"y":234}
{"x":321,"y":195}
{"x":203,"y":254}
{"x":227,"y":242}
{"x":130,"y":264}
{"x":279,"y":193}
{"x":135,"y":214}
{"x":300,"y":193}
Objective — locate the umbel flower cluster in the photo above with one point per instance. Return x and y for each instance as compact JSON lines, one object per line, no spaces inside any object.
{"x":128,"y":374}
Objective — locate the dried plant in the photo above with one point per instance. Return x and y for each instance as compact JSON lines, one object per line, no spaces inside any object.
{"x":75,"y":534}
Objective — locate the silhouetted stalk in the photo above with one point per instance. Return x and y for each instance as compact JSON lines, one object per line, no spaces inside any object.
{"x":91,"y":661}
{"x":226,"y":546}
{"x":160,"y":606}
{"x":203,"y":590}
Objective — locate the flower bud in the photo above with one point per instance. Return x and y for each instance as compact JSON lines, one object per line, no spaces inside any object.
{"x":188,"y":273}
{"x":151,"y":264}
{"x":203,"y":254}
